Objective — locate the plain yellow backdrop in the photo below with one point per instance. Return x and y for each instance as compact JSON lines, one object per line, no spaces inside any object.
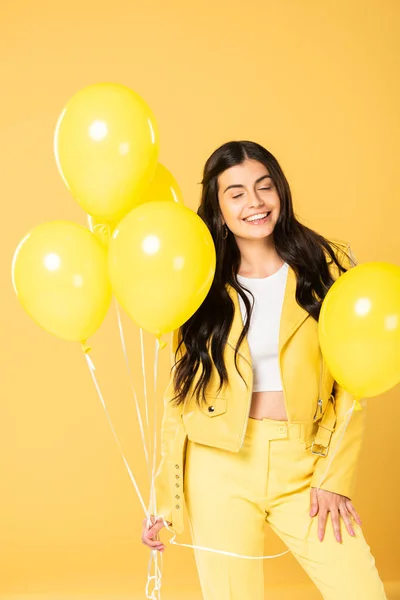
{"x":316,"y":82}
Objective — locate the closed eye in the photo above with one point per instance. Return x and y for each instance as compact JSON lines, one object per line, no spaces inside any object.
{"x":264,"y":188}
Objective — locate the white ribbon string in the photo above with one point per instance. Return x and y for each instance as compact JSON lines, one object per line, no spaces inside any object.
{"x":153,"y":502}
{"x":152,"y":509}
{"x":218,"y":551}
{"x":139,"y":416}
{"x":92,"y":372}
{"x":145,"y":389}
{"x":334,"y":450}
{"x":150,"y":595}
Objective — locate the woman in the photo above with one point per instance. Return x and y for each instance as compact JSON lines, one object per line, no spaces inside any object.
{"x":255,"y":429}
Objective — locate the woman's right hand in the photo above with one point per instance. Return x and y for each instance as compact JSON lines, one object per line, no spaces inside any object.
{"x":149,"y":534}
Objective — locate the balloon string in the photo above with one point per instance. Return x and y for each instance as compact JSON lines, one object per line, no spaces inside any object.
{"x":145,"y":392}
{"x":219,"y":551}
{"x":153,"y":499}
{"x":153,"y":503}
{"x":92,"y":372}
{"x":355,"y":407}
{"x":139,"y":416}
{"x":154,"y":554}
{"x":103,"y":229}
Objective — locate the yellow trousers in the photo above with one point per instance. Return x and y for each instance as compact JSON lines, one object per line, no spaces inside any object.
{"x":229,"y":498}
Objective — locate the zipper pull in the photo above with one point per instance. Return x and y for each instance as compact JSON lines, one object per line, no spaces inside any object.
{"x":319,"y":406}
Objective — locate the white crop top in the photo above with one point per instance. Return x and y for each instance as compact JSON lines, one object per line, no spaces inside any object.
{"x":263,"y":334}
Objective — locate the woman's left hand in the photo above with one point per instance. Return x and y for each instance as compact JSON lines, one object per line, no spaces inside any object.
{"x":323,"y":502}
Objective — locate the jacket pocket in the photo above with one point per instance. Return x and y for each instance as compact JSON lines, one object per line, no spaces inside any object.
{"x":215,"y":406}
{"x":209,"y":424}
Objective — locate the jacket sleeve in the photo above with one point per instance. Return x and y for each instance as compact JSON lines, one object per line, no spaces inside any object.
{"x":336,"y":472}
{"x":169,"y":426}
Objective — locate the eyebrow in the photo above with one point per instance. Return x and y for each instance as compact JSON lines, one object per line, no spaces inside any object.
{"x":239,"y":185}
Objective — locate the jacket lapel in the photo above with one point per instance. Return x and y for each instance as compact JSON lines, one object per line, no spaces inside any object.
{"x":292,"y":316}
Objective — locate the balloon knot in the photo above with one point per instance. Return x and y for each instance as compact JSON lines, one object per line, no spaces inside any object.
{"x":357,"y":406}
{"x":86,"y":349}
{"x":161,"y":342}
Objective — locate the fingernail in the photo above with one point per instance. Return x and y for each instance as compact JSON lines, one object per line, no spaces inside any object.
{"x":320,"y":537}
{"x":339,"y":539}
{"x":352,"y":532}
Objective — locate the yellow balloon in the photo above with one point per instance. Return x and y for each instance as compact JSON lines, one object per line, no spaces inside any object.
{"x":163,"y":186}
{"x":359,"y":329}
{"x":106,"y":145}
{"x":59,"y":274}
{"x":161,"y":263}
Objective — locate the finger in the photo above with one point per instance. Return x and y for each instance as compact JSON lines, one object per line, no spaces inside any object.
{"x":152,"y":543}
{"x":336,"y":524}
{"x":313,"y":502}
{"x":353,"y":512}
{"x":322,"y":517}
{"x":346,"y":518}
{"x":159,"y":548}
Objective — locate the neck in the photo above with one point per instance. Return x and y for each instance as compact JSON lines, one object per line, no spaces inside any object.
{"x":258,"y":257}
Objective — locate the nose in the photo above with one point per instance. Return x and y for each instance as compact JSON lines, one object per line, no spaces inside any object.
{"x":254,"y":200}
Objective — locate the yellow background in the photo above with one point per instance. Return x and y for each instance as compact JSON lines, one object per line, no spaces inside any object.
{"x":317,"y":84}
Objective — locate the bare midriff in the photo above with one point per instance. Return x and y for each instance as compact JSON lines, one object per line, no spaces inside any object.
{"x":268,"y":405}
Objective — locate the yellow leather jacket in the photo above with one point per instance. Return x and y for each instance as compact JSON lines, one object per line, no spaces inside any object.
{"x":312,"y":398}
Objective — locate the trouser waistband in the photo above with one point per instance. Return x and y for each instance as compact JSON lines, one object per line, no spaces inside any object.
{"x":272,"y":429}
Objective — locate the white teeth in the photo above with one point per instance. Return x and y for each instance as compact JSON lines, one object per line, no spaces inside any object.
{"x":257,"y":217}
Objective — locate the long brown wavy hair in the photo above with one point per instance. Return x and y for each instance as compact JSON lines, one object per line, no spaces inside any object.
{"x":298,"y":245}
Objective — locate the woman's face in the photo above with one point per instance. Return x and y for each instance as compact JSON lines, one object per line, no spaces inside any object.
{"x":245,"y":190}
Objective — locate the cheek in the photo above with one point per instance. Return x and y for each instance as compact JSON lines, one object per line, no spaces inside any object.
{"x":229,"y":211}
{"x":277,"y":200}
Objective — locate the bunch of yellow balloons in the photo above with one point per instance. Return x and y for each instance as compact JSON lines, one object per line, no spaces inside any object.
{"x":158,"y":257}
{"x":359,"y":329}
{"x":141,"y":243}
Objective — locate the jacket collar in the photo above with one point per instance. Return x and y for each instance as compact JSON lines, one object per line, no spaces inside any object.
{"x":292,"y":316}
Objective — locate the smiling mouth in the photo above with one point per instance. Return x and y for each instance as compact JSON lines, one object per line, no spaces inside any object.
{"x":257,"y":218}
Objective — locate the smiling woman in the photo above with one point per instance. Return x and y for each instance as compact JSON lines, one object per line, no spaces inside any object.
{"x":250,"y":397}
